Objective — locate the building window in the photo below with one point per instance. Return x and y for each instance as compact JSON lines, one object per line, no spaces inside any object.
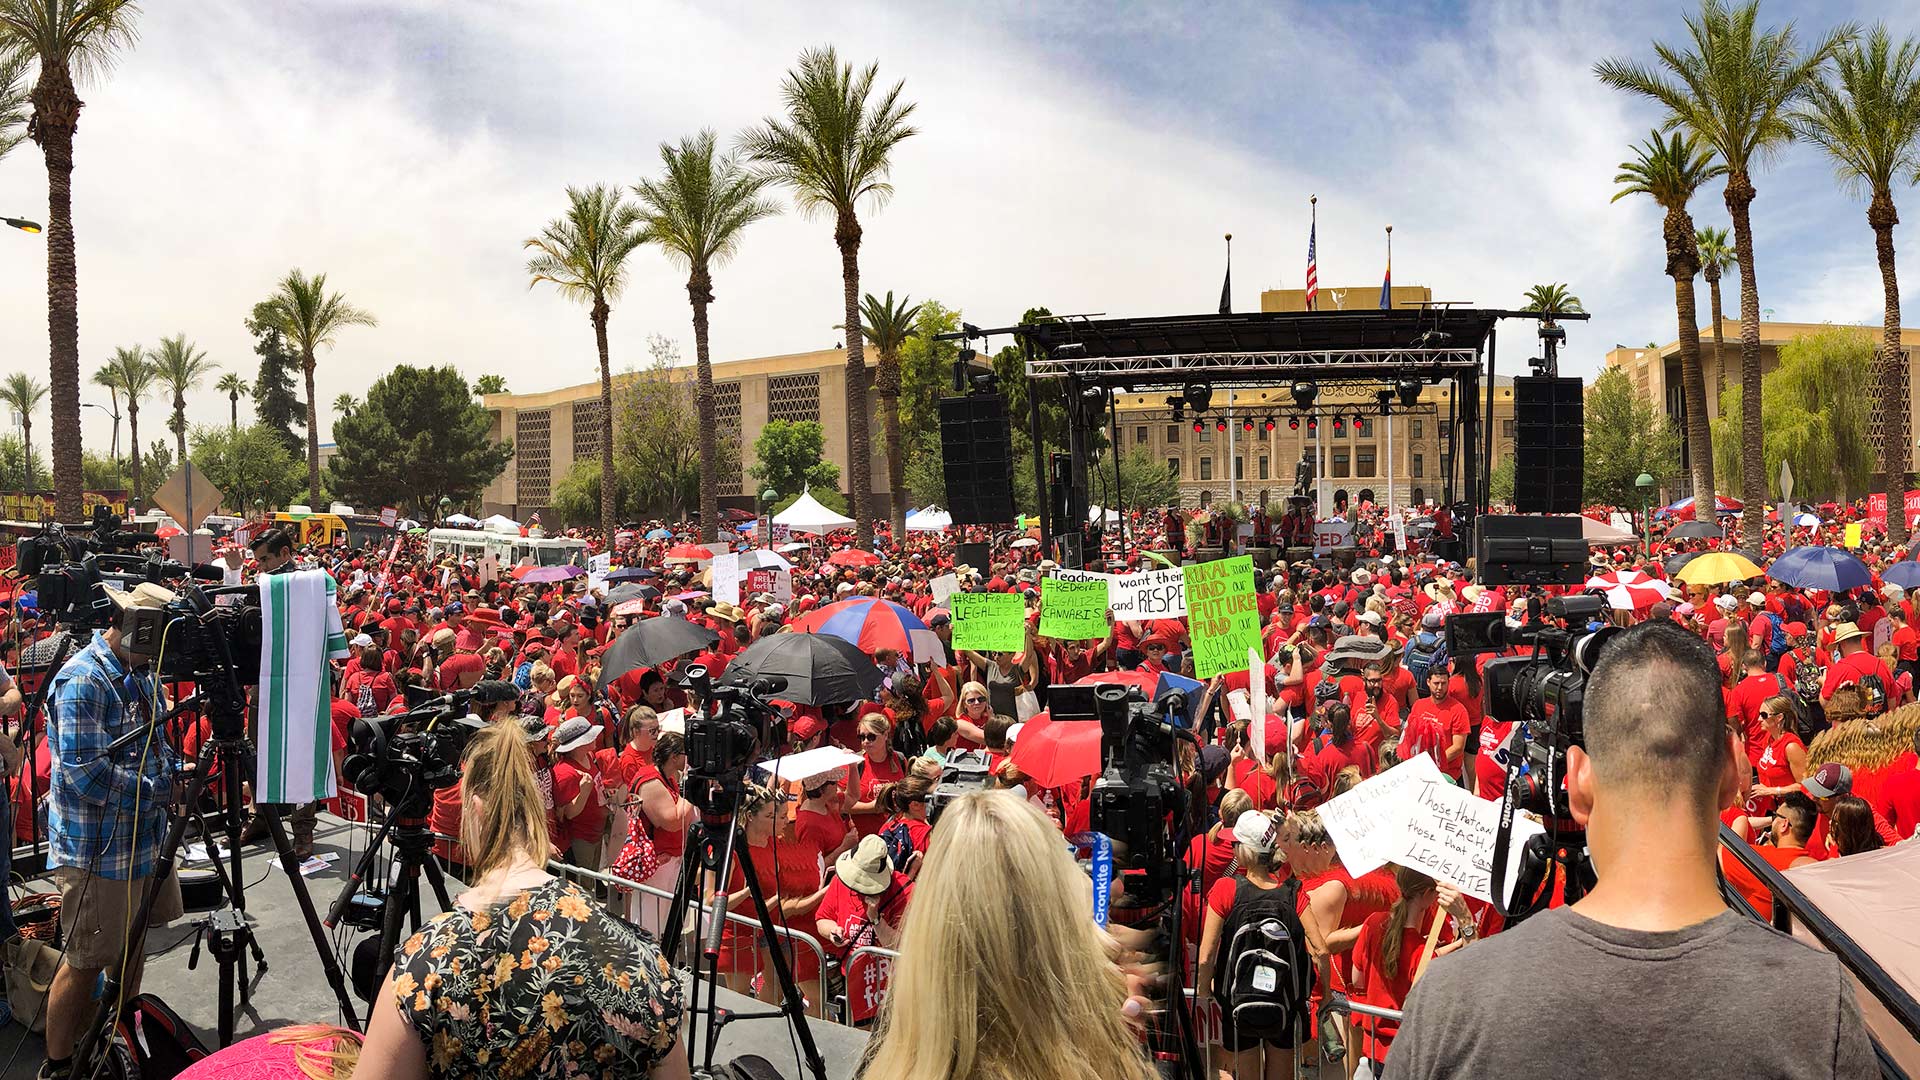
{"x":1446,"y":429}
{"x":1206,"y":498}
{"x":1140,"y":435}
{"x":1239,"y":468}
{"x":1340,"y":463}
{"x":1173,"y":467}
{"x":1173,"y":434}
{"x":1363,"y":428}
{"x":726,"y":428}
{"x":1263,"y":468}
{"x":586,"y":429}
{"x":1206,"y":432}
{"x":1419,"y":466}
{"x":794,"y":397}
{"x":533,"y":457}
{"x":1206,"y":468}
{"x":1506,"y":429}
{"x":1363,"y":461}
{"x":1419,"y":428}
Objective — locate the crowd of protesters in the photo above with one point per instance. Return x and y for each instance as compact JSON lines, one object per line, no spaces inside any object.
{"x":1358,"y":678}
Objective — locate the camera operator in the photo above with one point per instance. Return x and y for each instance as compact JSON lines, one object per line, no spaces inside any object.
{"x":107,"y":819}
{"x":1632,"y":981}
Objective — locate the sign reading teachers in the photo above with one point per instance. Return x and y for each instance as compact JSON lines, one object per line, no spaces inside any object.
{"x":1223,"y":617}
{"x":1073,"y":610}
{"x":989,"y":622}
{"x":1154,"y":594}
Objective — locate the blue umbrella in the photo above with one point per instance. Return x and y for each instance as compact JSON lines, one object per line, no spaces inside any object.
{"x":1904,"y":574}
{"x":1820,"y":568}
{"x":660,"y":534}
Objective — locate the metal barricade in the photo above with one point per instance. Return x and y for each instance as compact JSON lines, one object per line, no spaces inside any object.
{"x":866,"y":972}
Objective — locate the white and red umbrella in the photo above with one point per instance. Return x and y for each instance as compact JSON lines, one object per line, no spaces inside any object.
{"x":1630,"y":590}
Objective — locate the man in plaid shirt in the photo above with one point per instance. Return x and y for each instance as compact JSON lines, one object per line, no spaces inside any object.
{"x":107,"y":819}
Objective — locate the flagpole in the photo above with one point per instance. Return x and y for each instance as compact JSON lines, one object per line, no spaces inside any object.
{"x":1313,"y":234}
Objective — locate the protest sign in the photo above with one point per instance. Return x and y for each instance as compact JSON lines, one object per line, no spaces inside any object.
{"x":1154,"y":594}
{"x":1073,"y":610}
{"x":1328,"y":535}
{"x":1223,"y":618}
{"x":943,"y":587}
{"x":726,"y":578}
{"x":989,"y":622}
{"x":1363,"y":821}
{"x":1448,"y":833}
{"x":1853,"y":534}
{"x":388,"y":516}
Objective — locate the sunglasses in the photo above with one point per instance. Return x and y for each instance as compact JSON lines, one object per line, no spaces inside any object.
{"x":868,"y":736}
{"x":973,"y":701}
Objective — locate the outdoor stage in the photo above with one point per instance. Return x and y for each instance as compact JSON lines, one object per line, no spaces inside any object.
{"x":295,"y":990}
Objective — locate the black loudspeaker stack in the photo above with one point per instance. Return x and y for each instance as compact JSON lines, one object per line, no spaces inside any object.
{"x":977,"y":451}
{"x":1549,"y":444}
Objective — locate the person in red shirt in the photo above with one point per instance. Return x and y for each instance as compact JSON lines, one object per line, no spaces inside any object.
{"x":879,"y":765}
{"x":1826,"y":785}
{"x":1856,"y":662}
{"x":1745,"y":700}
{"x":1387,"y":952}
{"x":1438,"y":725}
{"x":662,"y":814}
{"x":1332,"y":746}
{"x":864,"y":902}
{"x":576,"y":792}
{"x":1211,"y":853}
{"x":1906,"y":642}
{"x":365,"y":683}
{"x":793,"y":889}
{"x":1899,"y":798}
{"x":1791,"y":825}
{"x":1783,"y":761}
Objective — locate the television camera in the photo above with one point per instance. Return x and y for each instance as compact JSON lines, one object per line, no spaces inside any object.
{"x":1544,"y":697}
{"x":723,"y":739}
{"x":405,"y":757}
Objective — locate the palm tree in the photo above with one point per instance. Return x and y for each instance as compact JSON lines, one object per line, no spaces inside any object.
{"x":23,"y":393}
{"x":833,"y":148}
{"x":232,"y":385}
{"x":1735,"y":89}
{"x":696,"y":213}
{"x":1554,"y":299}
{"x":1867,"y":118}
{"x":1669,"y":171}
{"x":14,"y":106}
{"x":489,"y":384}
{"x":309,"y":317}
{"x":584,"y":255}
{"x":72,"y":40}
{"x":180,"y":366}
{"x":344,"y":404}
{"x":1716,"y":258}
{"x":133,"y":375}
{"x":886,"y":326}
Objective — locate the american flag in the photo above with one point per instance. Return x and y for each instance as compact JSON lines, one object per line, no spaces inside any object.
{"x":1313,"y":267}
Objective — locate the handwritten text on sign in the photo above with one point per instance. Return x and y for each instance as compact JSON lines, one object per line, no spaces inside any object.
{"x":1153,"y":594}
{"x":989,"y":622}
{"x":1449,"y":834}
{"x":1073,"y":610}
{"x":1223,"y":617}
{"x":1366,"y":821}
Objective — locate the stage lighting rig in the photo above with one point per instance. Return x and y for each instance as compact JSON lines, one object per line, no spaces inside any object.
{"x":1304,"y":394}
{"x":1293,"y":423}
{"x":1247,"y":424}
{"x":1199,"y":426}
{"x":1339,"y":425}
{"x":1270,"y":425}
{"x":1220,"y":426}
{"x":1198,"y":396}
{"x":1313,"y":423}
{"x":1409,"y":392}
{"x":1178,"y":405}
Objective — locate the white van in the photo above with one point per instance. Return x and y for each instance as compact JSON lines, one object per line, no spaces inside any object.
{"x":511,"y":549}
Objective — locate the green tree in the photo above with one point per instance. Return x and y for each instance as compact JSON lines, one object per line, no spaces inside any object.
{"x":344,"y":404}
{"x":926,"y":472}
{"x":696,"y":212}
{"x":1625,"y":436}
{"x":489,"y":384}
{"x":657,"y":449}
{"x":1500,"y":484}
{"x":276,"y":402}
{"x":159,"y":471}
{"x":1145,"y":481}
{"x":1716,"y":258}
{"x":23,"y":394}
{"x":310,"y":317}
{"x":419,"y":436}
{"x":133,"y":374}
{"x":1817,"y":416}
{"x":887,"y":326}
{"x":72,"y":40}
{"x":926,"y":375}
{"x":1866,"y":116}
{"x":1734,"y":86}
{"x":787,"y":458}
{"x":15,"y":466}
{"x":1669,"y":171}
{"x":106,"y":379}
{"x":247,"y":464}
{"x":14,"y":106}
{"x":576,"y":498}
{"x":1553,"y":298}
{"x":101,"y":473}
{"x":232,"y":385}
{"x":834,"y":148}
{"x":179,"y":366}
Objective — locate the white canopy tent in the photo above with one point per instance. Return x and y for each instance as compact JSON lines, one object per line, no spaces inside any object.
{"x":500,"y":522}
{"x":931,"y":519}
{"x":461,"y":519}
{"x":1601,"y":534}
{"x":808,"y":516}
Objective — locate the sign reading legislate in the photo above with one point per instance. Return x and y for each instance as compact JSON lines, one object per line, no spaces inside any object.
{"x":989,"y":622}
{"x":1223,"y":618}
{"x":1073,"y":610}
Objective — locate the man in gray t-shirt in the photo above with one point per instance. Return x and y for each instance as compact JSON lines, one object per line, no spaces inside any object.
{"x":1649,"y":975}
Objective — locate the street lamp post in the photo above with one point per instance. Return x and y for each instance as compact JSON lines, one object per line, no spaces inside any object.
{"x":1645,"y":483}
{"x":765,"y":510}
{"x":22,"y":224}
{"x":115,"y":414}
{"x":446,"y":506}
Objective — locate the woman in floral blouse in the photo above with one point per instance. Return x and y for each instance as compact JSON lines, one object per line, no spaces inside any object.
{"x":527,"y":976}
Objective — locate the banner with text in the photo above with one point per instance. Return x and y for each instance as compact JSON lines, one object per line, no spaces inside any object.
{"x":1073,"y":610}
{"x":989,"y":622}
{"x":1223,"y":617}
{"x":1328,"y":535}
{"x":1877,"y":508}
{"x":1152,"y":594}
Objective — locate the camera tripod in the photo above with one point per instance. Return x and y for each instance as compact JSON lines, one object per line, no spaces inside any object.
{"x":413,"y":848}
{"x":232,"y":938}
{"x":711,"y":846}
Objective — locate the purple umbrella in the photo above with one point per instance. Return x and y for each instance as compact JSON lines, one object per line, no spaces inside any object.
{"x":543,"y":575}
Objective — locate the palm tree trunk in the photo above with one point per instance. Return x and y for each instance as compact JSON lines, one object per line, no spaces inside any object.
{"x":1753,"y":467}
{"x":26,"y":451}
{"x":1893,"y":404}
{"x":700,"y":291}
{"x":1693,"y":383}
{"x":1719,"y":341}
{"x":599,"y":316}
{"x":846,"y":234}
{"x":313,"y":433}
{"x":889,"y":380}
{"x":57,"y":109}
{"x":180,"y":430}
{"x":233,"y":413}
{"x":133,"y":433}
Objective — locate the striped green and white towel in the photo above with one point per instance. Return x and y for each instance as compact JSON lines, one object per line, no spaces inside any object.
{"x":302,"y":632}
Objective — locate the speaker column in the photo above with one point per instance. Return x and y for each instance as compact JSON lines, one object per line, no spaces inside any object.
{"x":1549,"y":444}
{"x":976,"y":449}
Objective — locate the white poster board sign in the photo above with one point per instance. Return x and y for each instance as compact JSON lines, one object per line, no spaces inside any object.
{"x":1364,"y":821}
{"x":1449,"y":834}
{"x":726,"y":578}
{"x":1152,"y":594}
{"x":1328,"y":535}
{"x":943,"y":587}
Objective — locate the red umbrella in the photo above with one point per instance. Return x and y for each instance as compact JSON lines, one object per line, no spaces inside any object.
{"x":1058,"y":753}
{"x":688,"y":553}
{"x":166,"y":532}
{"x":1147,"y":681}
{"x":853,"y":557}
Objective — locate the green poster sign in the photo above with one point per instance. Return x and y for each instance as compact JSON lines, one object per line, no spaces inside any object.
{"x":1223,"y":617}
{"x":1073,"y":610}
{"x":989,"y":622}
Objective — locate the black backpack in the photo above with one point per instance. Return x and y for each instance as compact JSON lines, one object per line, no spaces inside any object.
{"x":1264,"y":978}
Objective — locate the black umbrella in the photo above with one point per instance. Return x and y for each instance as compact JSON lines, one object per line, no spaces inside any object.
{"x":1695,"y":530}
{"x":626,"y":591}
{"x":652,"y":641}
{"x":818,"y":669}
{"x":631,"y":573}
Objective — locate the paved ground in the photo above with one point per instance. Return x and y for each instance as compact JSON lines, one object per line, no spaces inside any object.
{"x":294,"y":989}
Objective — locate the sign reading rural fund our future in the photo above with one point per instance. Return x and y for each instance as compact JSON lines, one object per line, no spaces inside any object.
{"x":1223,"y":616}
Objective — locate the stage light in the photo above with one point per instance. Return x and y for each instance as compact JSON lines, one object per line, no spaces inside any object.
{"x":1339,"y":425}
{"x":1270,"y":424}
{"x":1293,"y":423}
{"x":1220,"y":426}
{"x":1313,"y":423}
{"x":1199,"y":426}
{"x":1304,"y":393}
{"x":1247,"y":424}
{"x":1409,"y":391}
{"x":1358,"y":421}
{"x":1198,"y":396}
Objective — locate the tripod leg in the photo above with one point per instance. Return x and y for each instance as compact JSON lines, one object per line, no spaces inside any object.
{"x":400,"y":900}
{"x":335,"y":976}
{"x":438,"y":880}
{"x":794,"y":1006}
{"x":685,"y":889}
{"x":710,"y":943}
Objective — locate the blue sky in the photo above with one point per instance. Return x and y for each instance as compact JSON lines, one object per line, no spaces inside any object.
{"x":1085,"y":156}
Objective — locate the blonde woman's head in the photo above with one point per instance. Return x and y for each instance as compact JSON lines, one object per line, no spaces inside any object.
{"x":504,"y":815}
{"x":1000,"y":963}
